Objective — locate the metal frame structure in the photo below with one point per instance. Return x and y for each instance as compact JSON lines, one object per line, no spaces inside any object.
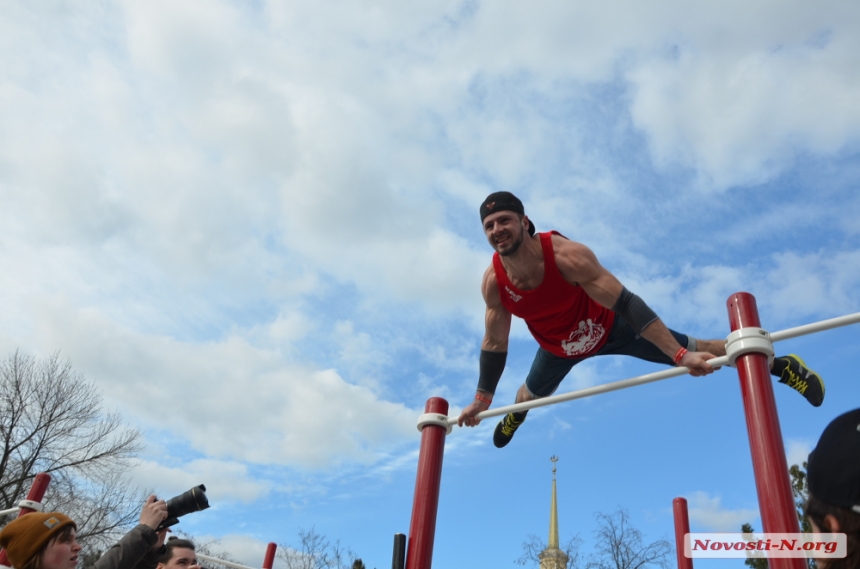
{"x":748,"y":348}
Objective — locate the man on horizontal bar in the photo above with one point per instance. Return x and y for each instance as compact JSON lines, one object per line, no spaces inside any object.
{"x":575,"y":309}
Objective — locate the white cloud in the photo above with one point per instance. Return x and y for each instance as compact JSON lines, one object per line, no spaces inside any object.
{"x":224,"y":480}
{"x":181,"y":191}
{"x":708,"y":513}
{"x":287,"y":328}
{"x":191,"y":38}
{"x":228,"y":399}
{"x":738,"y":105}
{"x":828,"y":283}
{"x":558,"y":426}
{"x":797,"y":451}
{"x":247,"y":550}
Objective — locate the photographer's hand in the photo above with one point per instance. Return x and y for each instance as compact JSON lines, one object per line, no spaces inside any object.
{"x":153,"y":513}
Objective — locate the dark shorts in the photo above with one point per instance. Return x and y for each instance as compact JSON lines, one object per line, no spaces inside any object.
{"x":549,"y":369}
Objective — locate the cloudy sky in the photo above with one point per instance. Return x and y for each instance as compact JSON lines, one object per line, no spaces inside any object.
{"x":253,"y":225}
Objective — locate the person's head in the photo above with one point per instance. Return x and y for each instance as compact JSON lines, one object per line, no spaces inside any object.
{"x":505,"y":222}
{"x":833,"y":474}
{"x":41,"y":541}
{"x":178,"y":554}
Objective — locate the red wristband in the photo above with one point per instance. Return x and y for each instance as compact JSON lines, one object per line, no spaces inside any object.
{"x":484,"y":399}
{"x":679,"y":355}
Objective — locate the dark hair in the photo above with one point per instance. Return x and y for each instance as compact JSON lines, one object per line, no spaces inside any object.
{"x":35,"y":562}
{"x":849,"y":524}
{"x":174,"y":543}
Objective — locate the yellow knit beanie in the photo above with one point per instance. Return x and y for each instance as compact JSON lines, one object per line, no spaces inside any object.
{"x":23,"y":537}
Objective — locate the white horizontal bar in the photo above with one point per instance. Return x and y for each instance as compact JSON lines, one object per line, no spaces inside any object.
{"x":589,"y":391}
{"x":816,"y":327}
{"x":4,"y":513}
{"x":657,"y":376}
{"x":222,"y":562}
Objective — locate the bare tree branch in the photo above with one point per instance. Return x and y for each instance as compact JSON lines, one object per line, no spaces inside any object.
{"x":533,"y":547}
{"x":51,"y":420}
{"x":618,"y":545}
{"x":315,"y":551}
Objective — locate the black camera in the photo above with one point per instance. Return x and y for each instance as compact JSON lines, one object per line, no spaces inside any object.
{"x":193,"y":500}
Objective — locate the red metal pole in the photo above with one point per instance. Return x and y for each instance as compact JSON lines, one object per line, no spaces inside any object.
{"x":775,"y":500}
{"x":422,"y":528}
{"x":682,"y":528}
{"x":269,"y":559}
{"x":36,"y":493}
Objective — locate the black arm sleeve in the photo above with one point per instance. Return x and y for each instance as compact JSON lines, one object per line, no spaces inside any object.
{"x":634,"y":310}
{"x":492,"y":364}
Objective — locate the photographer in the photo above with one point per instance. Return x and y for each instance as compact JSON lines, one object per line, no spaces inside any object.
{"x":178,"y":554}
{"x":833,"y":471}
{"x":48,"y":541}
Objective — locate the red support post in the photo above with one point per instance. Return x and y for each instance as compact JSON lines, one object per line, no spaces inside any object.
{"x":36,"y":493}
{"x":422,"y":528}
{"x":682,"y":528}
{"x":776,"y":502}
{"x":269,"y":559}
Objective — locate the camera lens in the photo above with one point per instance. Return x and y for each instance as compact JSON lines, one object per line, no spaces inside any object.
{"x":193,"y":500}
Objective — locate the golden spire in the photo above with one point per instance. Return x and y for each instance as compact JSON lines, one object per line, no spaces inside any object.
{"x":552,"y":557}
{"x":553,"y":511}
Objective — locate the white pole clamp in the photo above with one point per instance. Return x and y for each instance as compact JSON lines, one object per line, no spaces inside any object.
{"x":434,"y":419}
{"x":749,"y":340}
{"x":37,"y":506}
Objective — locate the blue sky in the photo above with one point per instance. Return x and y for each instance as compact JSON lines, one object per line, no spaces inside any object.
{"x":254,"y":226}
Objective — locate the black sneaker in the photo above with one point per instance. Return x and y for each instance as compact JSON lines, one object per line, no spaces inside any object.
{"x":792,"y":371}
{"x":506,"y":428}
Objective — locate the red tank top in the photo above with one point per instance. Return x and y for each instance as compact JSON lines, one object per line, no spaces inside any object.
{"x":561,"y":316}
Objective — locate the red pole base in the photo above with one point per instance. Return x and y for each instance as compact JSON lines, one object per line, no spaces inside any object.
{"x":422,"y":528}
{"x":682,"y":528}
{"x":776,"y":502}
{"x":269,"y":559}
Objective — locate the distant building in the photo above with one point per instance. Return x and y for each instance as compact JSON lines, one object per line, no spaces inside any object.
{"x":552,"y":557}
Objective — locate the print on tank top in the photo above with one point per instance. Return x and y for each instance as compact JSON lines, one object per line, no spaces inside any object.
{"x":514,"y":296}
{"x":583,"y":339}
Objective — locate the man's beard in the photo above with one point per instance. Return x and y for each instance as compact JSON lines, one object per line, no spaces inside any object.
{"x":515,"y":245}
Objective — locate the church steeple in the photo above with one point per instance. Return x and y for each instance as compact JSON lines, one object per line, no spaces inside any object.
{"x":552,"y":557}
{"x":553,"y":512}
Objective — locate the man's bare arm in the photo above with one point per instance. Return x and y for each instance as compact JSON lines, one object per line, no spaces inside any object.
{"x":494,"y":347}
{"x":497,"y":319}
{"x":579,"y":266}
